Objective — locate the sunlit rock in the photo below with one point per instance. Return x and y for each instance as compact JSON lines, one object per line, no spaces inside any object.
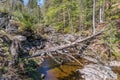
{"x":114,"y":63}
{"x":96,"y":72}
{"x":20,"y":37}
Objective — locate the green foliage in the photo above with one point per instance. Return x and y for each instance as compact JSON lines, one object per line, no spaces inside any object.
{"x":110,"y":38}
{"x":30,"y":67}
{"x":4,"y":69}
{"x":63,"y":14}
{"x":110,"y":34}
{"x":114,"y":15}
{"x":32,"y":4}
{"x":26,"y":16}
{"x":27,"y":20}
{"x":69,"y":15}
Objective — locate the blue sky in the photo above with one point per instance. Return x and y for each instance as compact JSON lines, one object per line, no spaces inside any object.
{"x":41,"y":2}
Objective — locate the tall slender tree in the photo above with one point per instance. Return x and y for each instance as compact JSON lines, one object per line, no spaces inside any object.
{"x":93,"y":27}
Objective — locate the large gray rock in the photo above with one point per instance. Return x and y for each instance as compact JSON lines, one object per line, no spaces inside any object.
{"x":96,"y":72}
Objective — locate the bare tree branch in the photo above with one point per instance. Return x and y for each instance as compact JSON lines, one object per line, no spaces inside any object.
{"x":51,"y":56}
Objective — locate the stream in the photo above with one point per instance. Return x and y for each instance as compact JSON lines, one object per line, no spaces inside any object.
{"x":67,"y":71}
{"x":61,"y":72}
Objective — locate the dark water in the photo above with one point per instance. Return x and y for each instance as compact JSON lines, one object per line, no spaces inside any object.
{"x":61,"y":72}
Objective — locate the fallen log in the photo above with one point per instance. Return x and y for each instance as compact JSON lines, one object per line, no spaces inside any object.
{"x":54,"y":49}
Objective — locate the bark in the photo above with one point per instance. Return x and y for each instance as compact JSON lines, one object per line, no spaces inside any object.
{"x":101,"y":13}
{"x":100,"y":17}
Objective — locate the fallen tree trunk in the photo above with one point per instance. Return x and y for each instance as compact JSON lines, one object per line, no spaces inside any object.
{"x":54,"y":49}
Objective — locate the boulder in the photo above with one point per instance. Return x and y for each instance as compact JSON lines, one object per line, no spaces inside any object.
{"x":96,"y":72}
{"x":114,"y":63}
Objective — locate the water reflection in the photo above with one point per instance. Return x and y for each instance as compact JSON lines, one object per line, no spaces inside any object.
{"x":53,"y":71}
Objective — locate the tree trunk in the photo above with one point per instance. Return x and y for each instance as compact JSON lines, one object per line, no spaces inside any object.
{"x":81,"y":17}
{"x":70,"y":20}
{"x":100,"y":15}
{"x":64,"y":20}
{"x":93,"y":27}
